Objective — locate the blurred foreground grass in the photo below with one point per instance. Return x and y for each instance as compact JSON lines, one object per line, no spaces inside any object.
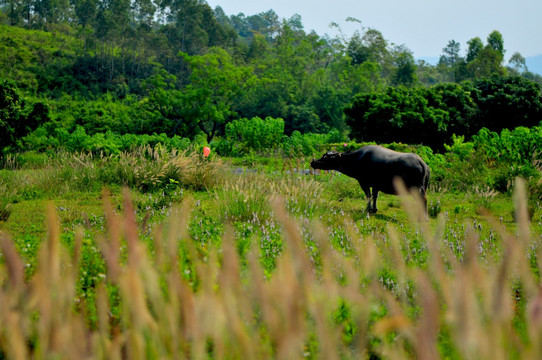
{"x":279,"y":284}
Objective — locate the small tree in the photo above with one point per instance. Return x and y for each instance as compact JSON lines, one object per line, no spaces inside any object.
{"x":518,"y":63}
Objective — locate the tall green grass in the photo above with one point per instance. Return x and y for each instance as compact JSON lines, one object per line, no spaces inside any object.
{"x":144,"y":169}
{"x":247,"y":195}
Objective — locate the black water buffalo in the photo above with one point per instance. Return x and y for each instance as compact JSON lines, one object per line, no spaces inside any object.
{"x":376,"y":167}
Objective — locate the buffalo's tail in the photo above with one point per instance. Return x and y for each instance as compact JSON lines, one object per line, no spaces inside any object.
{"x":425,"y":184}
{"x":426,"y":177}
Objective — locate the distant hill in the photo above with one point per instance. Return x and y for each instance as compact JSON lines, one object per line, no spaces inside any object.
{"x":534,"y":63}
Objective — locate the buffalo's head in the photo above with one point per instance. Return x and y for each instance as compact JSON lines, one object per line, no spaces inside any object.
{"x":330,"y":161}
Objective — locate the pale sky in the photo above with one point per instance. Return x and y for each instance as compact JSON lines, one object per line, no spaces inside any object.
{"x":424,"y":26}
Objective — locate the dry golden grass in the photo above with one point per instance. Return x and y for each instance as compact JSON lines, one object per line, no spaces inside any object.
{"x":452,"y":308}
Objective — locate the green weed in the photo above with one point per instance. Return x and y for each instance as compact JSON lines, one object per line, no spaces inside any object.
{"x":243,"y":197}
{"x":5,"y":209}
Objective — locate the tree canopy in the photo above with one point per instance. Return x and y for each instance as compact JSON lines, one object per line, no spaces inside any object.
{"x":180,"y":68}
{"x":431,"y":116}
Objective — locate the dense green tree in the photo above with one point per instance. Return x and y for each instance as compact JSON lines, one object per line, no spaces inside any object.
{"x":400,"y":114}
{"x":487,"y":62}
{"x":475,"y":45}
{"x":17,"y":116}
{"x":258,"y":47}
{"x":287,"y":79}
{"x":355,"y":46}
{"x":144,"y":12}
{"x":495,"y":41}
{"x":405,"y":71}
{"x":192,"y":27}
{"x":328,"y":103}
{"x":302,"y":118}
{"x":85,"y":11}
{"x":216,"y":84}
{"x":484,"y":61}
{"x":364,"y":78}
{"x":357,"y":50}
{"x":432,"y":115}
{"x":18,"y":12}
{"x":163,"y":108}
{"x":450,"y":60}
{"x":52,"y":11}
{"x":265,"y":23}
{"x":450,"y":54}
{"x":459,"y":101}
{"x":377,"y":46}
{"x":506,"y":102}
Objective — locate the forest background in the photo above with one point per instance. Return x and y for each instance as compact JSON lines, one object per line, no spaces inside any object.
{"x":179,"y":68}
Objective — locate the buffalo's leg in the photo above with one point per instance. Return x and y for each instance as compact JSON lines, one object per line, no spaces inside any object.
{"x":374,"y":209}
{"x":424,"y":201}
{"x":367,"y":191}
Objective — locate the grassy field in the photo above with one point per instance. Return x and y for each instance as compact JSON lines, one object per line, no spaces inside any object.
{"x":185,"y":257}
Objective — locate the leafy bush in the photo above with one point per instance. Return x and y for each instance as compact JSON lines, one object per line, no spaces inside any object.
{"x":105,"y":143}
{"x":520,"y":146}
{"x":302,"y":144}
{"x":254,"y":134}
{"x":99,"y":115}
{"x":18,"y":115}
{"x":460,"y":148}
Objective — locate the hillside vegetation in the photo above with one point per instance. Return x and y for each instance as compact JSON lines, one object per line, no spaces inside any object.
{"x":120,"y":239}
{"x":155,"y":69}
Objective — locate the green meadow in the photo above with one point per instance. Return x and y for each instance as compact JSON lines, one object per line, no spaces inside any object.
{"x":162,"y":253}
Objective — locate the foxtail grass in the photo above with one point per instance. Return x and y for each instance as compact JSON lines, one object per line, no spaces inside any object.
{"x":170,"y":301}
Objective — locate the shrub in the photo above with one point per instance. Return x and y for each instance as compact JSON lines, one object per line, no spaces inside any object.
{"x":148,"y":168}
{"x":460,"y":148}
{"x":18,"y":115}
{"x":521,"y":145}
{"x":255,"y":134}
{"x":302,"y":144}
{"x":100,"y":143}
